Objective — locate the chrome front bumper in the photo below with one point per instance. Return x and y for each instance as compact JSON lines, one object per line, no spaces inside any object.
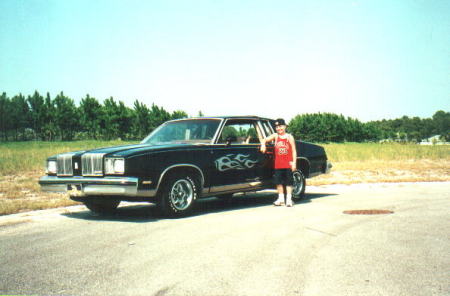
{"x":84,"y":186}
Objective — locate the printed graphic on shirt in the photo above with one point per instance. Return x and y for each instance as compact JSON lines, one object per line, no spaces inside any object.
{"x":282,"y":148}
{"x":235,"y":162}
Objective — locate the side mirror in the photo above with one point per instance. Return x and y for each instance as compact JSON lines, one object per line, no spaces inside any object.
{"x":230,"y":139}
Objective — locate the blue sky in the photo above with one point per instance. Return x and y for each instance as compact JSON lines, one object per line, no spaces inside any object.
{"x":364,"y":59}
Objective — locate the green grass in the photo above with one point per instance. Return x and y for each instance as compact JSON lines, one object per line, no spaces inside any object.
{"x":20,"y":157}
{"x":385,"y":152}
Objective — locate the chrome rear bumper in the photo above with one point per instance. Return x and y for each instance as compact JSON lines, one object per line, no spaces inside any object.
{"x":84,"y":186}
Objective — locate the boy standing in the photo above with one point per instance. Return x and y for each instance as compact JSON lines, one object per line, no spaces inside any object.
{"x":285,"y":163}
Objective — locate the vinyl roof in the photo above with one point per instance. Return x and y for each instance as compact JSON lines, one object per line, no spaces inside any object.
{"x":231,"y":117}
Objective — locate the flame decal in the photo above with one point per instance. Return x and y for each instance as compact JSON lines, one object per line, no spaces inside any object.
{"x":235,"y":162}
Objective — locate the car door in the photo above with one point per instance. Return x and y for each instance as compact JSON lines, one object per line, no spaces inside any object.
{"x":236,"y":159}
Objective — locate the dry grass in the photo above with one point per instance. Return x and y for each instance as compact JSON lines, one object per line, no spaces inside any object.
{"x":20,"y":193}
{"x":392,"y":162}
{"x":21,"y":165}
{"x":349,"y":172}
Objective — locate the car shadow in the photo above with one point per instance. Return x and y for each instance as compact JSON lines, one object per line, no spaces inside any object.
{"x":147,"y":212}
{"x":244,"y":201}
{"x":138,"y":213}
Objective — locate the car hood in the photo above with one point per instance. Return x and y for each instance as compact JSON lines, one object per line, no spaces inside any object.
{"x":137,"y":149}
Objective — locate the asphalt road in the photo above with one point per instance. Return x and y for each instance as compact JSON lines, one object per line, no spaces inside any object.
{"x":246,"y":247}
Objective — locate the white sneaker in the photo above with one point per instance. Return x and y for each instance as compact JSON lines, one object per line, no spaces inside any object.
{"x":278,"y":202}
{"x":289,"y":203}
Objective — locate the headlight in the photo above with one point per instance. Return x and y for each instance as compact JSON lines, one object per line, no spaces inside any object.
{"x":51,"y":167}
{"x":114,"y":166}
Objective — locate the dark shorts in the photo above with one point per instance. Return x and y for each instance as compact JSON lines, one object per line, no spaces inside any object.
{"x":283,"y":177}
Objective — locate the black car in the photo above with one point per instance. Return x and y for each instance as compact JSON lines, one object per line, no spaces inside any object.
{"x":179,"y":162}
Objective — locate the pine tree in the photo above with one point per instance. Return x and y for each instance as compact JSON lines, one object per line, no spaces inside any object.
{"x":66,"y":117}
{"x":37,"y":114}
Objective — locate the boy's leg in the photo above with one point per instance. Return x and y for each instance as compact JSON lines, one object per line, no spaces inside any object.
{"x":280,"y":200}
{"x":289,"y":196}
{"x":278,"y":181}
{"x":280,"y":189}
{"x":289,"y":190}
{"x":289,"y":183}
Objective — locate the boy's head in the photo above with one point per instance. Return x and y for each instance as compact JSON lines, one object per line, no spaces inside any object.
{"x":280,"y":126}
{"x":280,"y":121}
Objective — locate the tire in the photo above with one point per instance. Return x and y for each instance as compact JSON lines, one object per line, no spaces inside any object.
{"x":102,"y":207}
{"x":178,"y":195}
{"x":298,"y":188}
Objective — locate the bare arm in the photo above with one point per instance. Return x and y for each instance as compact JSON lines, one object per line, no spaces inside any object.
{"x":294,"y":153}
{"x":264,"y":141}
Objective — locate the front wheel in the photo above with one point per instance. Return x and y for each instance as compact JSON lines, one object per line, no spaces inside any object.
{"x":178,"y":195}
{"x":298,"y":187}
{"x":102,"y":207}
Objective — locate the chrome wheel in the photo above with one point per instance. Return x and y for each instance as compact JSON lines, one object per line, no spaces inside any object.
{"x":298,"y":188}
{"x":181,"y":194}
{"x":178,"y":194}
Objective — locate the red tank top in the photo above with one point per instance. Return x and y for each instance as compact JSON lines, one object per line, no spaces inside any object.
{"x":283,"y":153}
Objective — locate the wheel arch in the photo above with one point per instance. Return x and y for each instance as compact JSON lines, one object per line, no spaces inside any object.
{"x":183,"y":167}
{"x":304,"y":166}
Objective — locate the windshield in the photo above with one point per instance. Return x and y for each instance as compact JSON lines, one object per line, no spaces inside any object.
{"x":184,"y":131}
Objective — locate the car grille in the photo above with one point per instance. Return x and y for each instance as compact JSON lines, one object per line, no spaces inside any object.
{"x":64,"y":164}
{"x":92,"y":164}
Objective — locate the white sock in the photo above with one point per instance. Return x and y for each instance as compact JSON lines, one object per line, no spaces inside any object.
{"x":288,"y":197}
{"x":281,"y":197}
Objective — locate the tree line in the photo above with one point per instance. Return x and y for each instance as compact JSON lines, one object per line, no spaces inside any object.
{"x":414,"y":129}
{"x":50,"y":119}
{"x":329,"y":127}
{"x":36,"y":117}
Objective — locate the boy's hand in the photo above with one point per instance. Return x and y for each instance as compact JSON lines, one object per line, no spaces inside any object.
{"x":293,"y":166}
{"x":263,"y":148}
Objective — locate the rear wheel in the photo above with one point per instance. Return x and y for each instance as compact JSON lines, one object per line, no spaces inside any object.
{"x":178,"y":195}
{"x":102,"y":207}
{"x":298,"y":187}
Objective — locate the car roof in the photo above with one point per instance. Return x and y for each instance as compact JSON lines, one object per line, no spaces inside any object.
{"x":228,"y":117}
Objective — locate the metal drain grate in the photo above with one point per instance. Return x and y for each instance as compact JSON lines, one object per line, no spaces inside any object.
{"x":368,"y":212}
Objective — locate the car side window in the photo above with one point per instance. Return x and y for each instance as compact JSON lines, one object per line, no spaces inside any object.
{"x":267,"y":128}
{"x":240,"y":132}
